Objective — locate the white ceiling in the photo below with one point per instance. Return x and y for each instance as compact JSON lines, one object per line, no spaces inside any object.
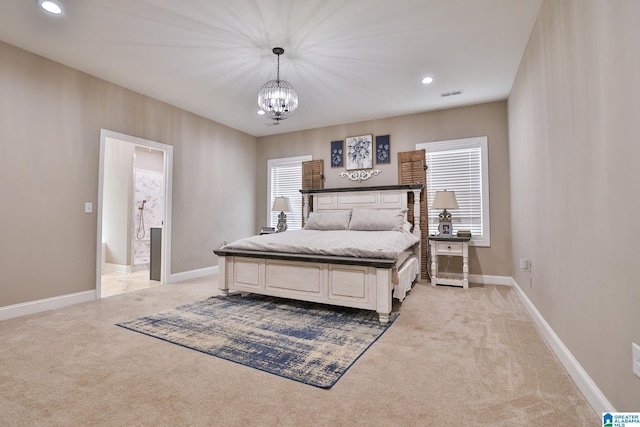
{"x":349,"y":60}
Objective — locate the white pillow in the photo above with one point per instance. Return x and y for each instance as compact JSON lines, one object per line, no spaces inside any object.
{"x":328,"y":221}
{"x":377,"y":219}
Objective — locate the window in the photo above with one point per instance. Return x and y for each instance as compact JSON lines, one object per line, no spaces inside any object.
{"x":285,"y":179}
{"x":461,"y":165}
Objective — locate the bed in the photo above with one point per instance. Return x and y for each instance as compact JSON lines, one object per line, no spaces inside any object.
{"x":321,"y":264}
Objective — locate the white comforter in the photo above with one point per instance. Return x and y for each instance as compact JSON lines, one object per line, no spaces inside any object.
{"x":349,"y":243}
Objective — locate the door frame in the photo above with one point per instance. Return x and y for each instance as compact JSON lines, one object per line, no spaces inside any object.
{"x":165,"y":253}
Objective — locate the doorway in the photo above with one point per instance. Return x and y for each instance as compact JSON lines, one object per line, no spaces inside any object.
{"x":134,"y":213}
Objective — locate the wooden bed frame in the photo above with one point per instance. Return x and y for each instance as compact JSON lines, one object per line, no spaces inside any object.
{"x":364,"y":283}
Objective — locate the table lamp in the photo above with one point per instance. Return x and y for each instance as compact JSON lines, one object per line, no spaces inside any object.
{"x":281,"y":204}
{"x":445,"y":200}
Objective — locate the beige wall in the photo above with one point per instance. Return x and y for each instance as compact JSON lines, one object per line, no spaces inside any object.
{"x":574,"y":122}
{"x":50,"y":121}
{"x":405,"y":132}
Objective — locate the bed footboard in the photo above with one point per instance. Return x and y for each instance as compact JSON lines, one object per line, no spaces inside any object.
{"x":367,"y":285}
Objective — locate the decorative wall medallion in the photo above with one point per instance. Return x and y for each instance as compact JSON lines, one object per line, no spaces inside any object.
{"x":360,"y":175}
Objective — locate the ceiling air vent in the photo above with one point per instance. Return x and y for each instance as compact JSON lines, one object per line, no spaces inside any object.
{"x":452,"y":93}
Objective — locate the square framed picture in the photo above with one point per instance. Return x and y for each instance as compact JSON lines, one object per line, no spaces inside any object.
{"x":383,"y":148}
{"x":336,"y":154}
{"x":445,"y":229}
{"x":359,"y":152}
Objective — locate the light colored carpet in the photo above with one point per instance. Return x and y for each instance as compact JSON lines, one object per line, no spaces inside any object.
{"x":454,"y":357}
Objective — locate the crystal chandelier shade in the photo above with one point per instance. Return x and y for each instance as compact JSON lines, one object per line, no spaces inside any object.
{"x":277,"y":98}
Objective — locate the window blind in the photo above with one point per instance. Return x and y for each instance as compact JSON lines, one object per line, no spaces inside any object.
{"x":286,"y":181}
{"x":458,"y":170}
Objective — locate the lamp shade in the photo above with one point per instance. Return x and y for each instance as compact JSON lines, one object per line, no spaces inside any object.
{"x":281,"y":204}
{"x":445,"y":200}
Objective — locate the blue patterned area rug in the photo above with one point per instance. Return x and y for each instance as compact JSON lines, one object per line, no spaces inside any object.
{"x":311,"y":343}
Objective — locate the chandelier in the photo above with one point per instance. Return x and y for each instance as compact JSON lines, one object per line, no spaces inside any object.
{"x":277,"y":98}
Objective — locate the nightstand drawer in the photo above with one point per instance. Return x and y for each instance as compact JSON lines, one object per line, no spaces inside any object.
{"x":449,"y":248}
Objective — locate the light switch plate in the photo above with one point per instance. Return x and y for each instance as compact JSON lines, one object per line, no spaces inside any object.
{"x":88,"y":207}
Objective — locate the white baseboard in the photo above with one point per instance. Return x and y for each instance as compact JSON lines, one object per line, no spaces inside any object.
{"x":118,"y":268}
{"x":591,"y":392}
{"x":483,"y":279}
{"x":193,"y":274}
{"x":32,"y":307}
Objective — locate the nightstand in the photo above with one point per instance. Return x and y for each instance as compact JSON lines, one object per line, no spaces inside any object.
{"x":449,"y":246}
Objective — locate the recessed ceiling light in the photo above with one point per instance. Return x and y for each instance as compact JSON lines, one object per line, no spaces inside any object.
{"x":427,"y":80}
{"x":261,"y":112}
{"x":50,"y":6}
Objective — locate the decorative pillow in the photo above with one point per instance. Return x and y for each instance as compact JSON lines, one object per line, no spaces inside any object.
{"x":328,"y":221}
{"x":377,"y":219}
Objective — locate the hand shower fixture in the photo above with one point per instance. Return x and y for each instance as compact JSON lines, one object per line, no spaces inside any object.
{"x":141,"y":222}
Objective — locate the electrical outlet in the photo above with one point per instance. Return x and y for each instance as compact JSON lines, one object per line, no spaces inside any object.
{"x":635,"y":351}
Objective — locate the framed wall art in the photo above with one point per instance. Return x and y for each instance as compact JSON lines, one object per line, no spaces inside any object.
{"x":359,"y":152}
{"x":383,"y":149}
{"x":336,"y":154}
